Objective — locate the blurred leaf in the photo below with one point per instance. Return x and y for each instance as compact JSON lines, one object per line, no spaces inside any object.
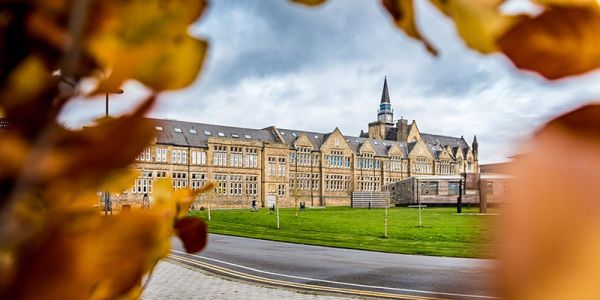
{"x":404,"y":17}
{"x":551,"y":231}
{"x":478,"y":22}
{"x":146,"y":40}
{"x":192,"y":232}
{"x":568,"y":2}
{"x":309,"y":2}
{"x":86,"y":256}
{"x":560,"y":42}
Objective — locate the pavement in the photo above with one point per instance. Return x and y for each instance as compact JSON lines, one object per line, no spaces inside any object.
{"x":335,"y":268}
{"x":172,"y":280}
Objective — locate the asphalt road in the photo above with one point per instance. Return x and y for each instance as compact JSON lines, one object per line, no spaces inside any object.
{"x":427,"y":276}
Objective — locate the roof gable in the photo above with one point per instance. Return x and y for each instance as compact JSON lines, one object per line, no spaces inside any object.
{"x":420,"y":150}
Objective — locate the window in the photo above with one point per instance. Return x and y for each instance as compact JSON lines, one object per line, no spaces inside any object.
{"x":247,"y":137}
{"x":178,"y":130}
{"x":251,"y":158}
{"x":489,"y":188}
{"x":235,"y":185}
{"x":421,"y":165}
{"x":179,"y":156}
{"x":198,"y":180}
{"x":445,"y":167}
{"x":337,"y":142}
{"x":251,"y":185}
{"x":179,"y":180}
{"x":207,"y":133}
{"x":368,"y":183}
{"x":281,"y":166}
{"x":396,"y":164}
{"x":316,"y":136}
{"x":271,"y":166}
{"x":193,"y":131}
{"x":220,"y":156}
{"x":161,"y":174}
{"x":335,"y":182}
{"x":282,"y":132}
{"x":158,"y":128}
{"x":161,"y":154}
{"x":145,"y":155}
{"x":221,"y":184}
{"x":198,"y":157}
{"x":235,"y":135}
{"x":453,"y":188}
{"x":281,"y":190}
{"x":365,"y":161}
{"x":220,"y":134}
{"x":337,"y":159}
{"x":143,"y":184}
{"x":428,"y":187}
{"x":304,"y":157}
{"x":235,"y":156}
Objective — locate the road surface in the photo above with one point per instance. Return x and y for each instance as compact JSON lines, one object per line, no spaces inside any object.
{"x":410,"y":275}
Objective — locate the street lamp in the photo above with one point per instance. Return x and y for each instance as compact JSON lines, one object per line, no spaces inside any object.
{"x":106,"y":194}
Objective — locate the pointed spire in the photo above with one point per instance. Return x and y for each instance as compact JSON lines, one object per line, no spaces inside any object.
{"x":474,"y":139}
{"x":385,"y":96}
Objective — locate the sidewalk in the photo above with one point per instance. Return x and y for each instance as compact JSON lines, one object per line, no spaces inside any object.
{"x":176,"y":281}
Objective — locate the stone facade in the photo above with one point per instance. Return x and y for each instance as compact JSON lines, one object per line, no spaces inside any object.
{"x":318,"y":169}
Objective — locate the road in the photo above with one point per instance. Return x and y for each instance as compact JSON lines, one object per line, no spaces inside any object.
{"x":422,"y":276}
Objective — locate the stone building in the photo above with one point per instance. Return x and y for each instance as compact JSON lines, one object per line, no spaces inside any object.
{"x":316,"y":168}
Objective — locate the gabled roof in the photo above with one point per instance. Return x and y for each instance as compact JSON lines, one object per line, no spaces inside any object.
{"x":435,"y":139}
{"x":169,"y":136}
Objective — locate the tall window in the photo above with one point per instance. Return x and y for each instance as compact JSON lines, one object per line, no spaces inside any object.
{"x":221,"y":184}
{"x":220,"y":156}
{"x":179,"y":180}
{"x":272,"y":166}
{"x":282,"y":166}
{"x":365,"y":162}
{"x":145,"y":155}
{"x":421,"y":165}
{"x":179,"y":156}
{"x":303,"y":155}
{"x":368,"y":183}
{"x":337,"y":159}
{"x":161,"y":154}
{"x":235,"y":156}
{"x":251,"y":158}
{"x":198,"y":157}
{"x":198,"y":180}
{"x":453,"y":188}
{"x":251,"y":185}
{"x":143,"y":184}
{"x":336,"y":182}
{"x":445,"y":167}
{"x":235,"y":185}
{"x":396,"y":164}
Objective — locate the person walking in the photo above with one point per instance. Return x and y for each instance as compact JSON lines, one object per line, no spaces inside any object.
{"x":254,"y":208}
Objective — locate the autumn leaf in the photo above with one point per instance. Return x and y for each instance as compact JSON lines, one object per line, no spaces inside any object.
{"x":592,"y":3}
{"x":478,"y":22}
{"x":551,"y":230}
{"x":403,"y":13}
{"x":146,"y":41}
{"x":309,"y":2}
{"x":192,"y":232}
{"x":562,"y":41}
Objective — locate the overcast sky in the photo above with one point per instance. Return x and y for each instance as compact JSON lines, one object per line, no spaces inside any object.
{"x":275,"y":63}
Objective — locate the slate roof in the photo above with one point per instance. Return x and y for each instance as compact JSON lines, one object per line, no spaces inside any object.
{"x":169,"y":136}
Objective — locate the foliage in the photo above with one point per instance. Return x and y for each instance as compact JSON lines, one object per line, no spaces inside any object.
{"x":444,"y":234}
{"x":53,"y":243}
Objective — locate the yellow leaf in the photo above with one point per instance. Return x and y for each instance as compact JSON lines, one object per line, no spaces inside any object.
{"x":560,"y":42}
{"x":478,"y":22}
{"x":146,"y":40}
{"x":404,"y":17}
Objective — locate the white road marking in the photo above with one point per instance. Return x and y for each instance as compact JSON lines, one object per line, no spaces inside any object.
{"x":336,"y":282}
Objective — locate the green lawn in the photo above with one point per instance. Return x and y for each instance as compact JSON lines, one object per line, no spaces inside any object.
{"x":443,"y":233}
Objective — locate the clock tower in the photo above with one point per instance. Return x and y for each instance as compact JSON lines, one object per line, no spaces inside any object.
{"x":385,"y":114}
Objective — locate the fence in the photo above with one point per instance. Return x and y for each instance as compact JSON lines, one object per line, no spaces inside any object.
{"x":375,"y":199}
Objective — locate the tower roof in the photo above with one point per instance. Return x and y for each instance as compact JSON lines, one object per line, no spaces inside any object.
{"x":385,"y":96}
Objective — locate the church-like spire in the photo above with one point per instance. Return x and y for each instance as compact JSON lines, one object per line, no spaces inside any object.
{"x":385,"y":96}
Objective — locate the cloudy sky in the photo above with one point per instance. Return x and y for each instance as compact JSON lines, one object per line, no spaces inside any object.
{"x":275,"y":63}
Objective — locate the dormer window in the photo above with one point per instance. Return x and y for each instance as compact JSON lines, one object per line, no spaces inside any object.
{"x":234,"y":135}
{"x":193,"y":131}
{"x":221,"y":134}
{"x":178,"y":130}
{"x":207,"y":133}
{"x":248,"y":137}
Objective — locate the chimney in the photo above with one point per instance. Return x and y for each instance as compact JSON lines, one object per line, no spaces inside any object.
{"x":402,"y":130}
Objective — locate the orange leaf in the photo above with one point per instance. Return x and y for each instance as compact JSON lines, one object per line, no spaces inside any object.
{"x":404,"y":17}
{"x":560,"y":42}
{"x":551,"y":230}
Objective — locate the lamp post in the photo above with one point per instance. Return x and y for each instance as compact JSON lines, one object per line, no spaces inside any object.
{"x":106,"y":193}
